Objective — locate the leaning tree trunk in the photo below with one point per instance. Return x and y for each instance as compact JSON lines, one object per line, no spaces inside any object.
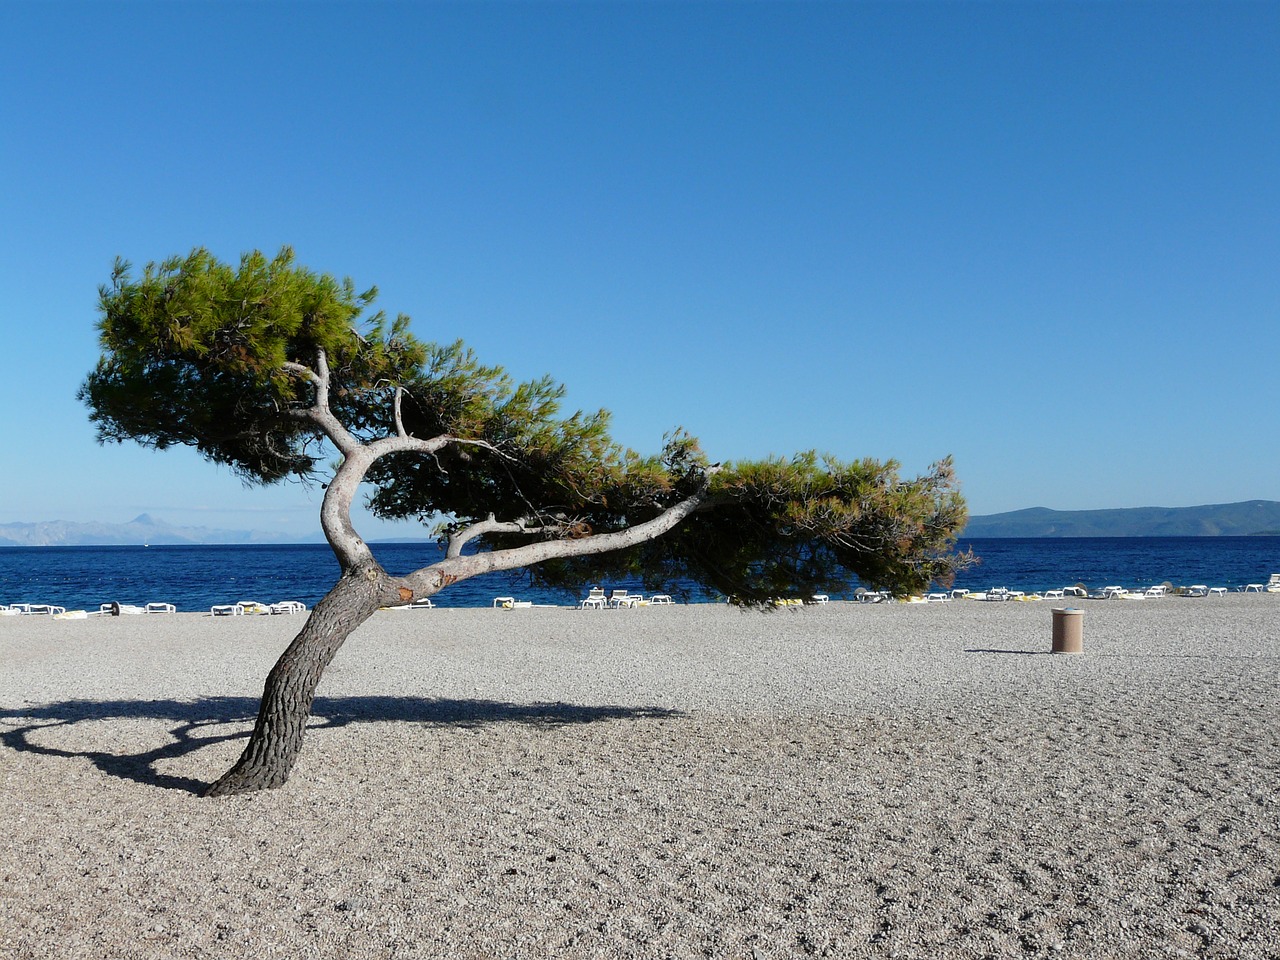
{"x":276,"y":740}
{"x":364,"y":586}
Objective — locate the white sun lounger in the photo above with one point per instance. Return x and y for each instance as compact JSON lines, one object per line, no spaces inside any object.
{"x":121,"y":610}
{"x":423,"y":603}
{"x":39,"y":609}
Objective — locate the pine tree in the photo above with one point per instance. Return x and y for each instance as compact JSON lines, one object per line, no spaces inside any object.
{"x":271,"y":369}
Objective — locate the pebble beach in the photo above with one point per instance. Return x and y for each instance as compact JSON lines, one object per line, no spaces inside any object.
{"x":846,"y":780}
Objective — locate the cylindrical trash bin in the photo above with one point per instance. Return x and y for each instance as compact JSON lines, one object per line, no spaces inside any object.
{"x":1068,"y":630}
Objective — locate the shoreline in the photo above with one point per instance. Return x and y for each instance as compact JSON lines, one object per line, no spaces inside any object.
{"x":1215,"y":594}
{"x":864,"y":780}
{"x":196,"y":578}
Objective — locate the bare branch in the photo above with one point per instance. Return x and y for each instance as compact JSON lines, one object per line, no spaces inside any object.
{"x":410,"y":444}
{"x":319,"y":413}
{"x":396,"y":399}
{"x":302,"y":370}
{"x":335,"y":511}
{"x":429,"y":580}
{"x":525,"y":525}
{"x":322,"y":378}
{"x":468,"y":533}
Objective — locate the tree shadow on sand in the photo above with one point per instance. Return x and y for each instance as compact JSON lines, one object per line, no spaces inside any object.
{"x":195,"y":724}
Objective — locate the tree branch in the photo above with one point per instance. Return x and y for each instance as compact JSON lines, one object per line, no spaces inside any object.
{"x":431,"y":579}
{"x":492,"y":525}
{"x":302,"y":370}
{"x":335,"y":511}
{"x":410,"y":444}
{"x":322,"y":372}
{"x":319,"y":412}
{"x":395,"y":407}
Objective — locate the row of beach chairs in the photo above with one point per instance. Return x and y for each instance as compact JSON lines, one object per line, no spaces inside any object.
{"x":30,"y":610}
{"x":129,"y":609}
{"x":620,"y":599}
{"x":254,"y":608}
{"x":106,"y":609}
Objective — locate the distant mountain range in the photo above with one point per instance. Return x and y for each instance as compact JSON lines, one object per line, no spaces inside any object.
{"x":1251,"y":518}
{"x":143,"y":529}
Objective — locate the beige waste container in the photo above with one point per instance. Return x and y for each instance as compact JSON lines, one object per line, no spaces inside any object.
{"x":1068,"y":630}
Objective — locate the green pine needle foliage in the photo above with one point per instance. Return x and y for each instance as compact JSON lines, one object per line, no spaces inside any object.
{"x":205,"y":354}
{"x":194,"y":353}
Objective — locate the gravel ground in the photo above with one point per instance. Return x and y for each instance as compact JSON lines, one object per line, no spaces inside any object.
{"x":846,"y":781}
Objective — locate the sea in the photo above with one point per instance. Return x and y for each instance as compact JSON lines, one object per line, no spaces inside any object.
{"x":194,"y":578}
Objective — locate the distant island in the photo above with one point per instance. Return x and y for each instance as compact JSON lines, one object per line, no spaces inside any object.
{"x":1249,"y":519}
{"x":141,"y":530}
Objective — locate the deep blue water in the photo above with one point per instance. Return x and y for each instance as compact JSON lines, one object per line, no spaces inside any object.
{"x":196,"y":577}
{"x":1134,"y":562}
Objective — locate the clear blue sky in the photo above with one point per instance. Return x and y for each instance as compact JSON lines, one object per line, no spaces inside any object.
{"x":1043,"y":238}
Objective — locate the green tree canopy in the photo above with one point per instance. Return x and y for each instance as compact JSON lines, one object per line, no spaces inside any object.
{"x":272,"y":369}
{"x":200,"y":353}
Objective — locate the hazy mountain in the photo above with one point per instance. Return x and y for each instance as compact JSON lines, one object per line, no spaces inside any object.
{"x":1251,"y":518}
{"x":143,"y":529}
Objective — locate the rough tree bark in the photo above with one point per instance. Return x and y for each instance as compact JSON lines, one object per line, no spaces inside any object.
{"x":290,"y":690}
